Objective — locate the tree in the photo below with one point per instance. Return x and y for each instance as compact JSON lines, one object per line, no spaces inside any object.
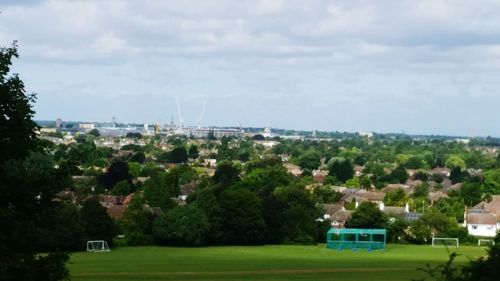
{"x":291,"y":215}
{"x":226,"y":173}
{"x":17,"y":128}
{"x":134,"y":169}
{"x":353,"y":182}
{"x":121,"y":188}
{"x":242,"y":217}
{"x":136,"y":222}
{"x":455,"y":161}
{"x":138,"y":157}
{"x":471,"y":193}
{"x":310,"y":159}
{"x":62,"y":228}
{"x":178,"y":155}
{"x":193,"y":152}
{"x":397,"y":197}
{"x":158,"y":191}
{"x":98,"y":224}
{"x":367,"y":215}
{"x":94,"y":132}
{"x":325,"y":194}
{"x":342,"y":169}
{"x":264,"y":180}
{"x":117,"y":171}
{"x":181,"y":226}
{"x":457,"y":175}
{"x":431,"y":224}
{"x":365,"y":182}
{"x":396,"y":230}
{"x":421,"y":190}
{"x":206,"y":200}
{"x":28,"y":182}
{"x":492,"y":182}
{"x":399,"y":175}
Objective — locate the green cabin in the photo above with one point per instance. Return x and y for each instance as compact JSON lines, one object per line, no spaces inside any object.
{"x":356,"y":238}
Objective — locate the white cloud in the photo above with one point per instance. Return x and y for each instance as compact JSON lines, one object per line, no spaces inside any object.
{"x":374,"y":56}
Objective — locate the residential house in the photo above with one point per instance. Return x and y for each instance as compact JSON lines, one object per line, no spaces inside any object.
{"x":483,"y":219}
{"x":337,"y":214}
{"x":319,"y":176}
{"x":293,"y":169}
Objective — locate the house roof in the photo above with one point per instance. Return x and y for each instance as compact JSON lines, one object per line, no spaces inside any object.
{"x":492,"y":206}
{"x":128,"y":199}
{"x":341,"y":215}
{"x":441,"y":170}
{"x":331,"y":208}
{"x":363,"y":195}
{"x":293,"y":169}
{"x":67,"y":195}
{"x":116,"y":211}
{"x":395,"y":186}
{"x":481,"y":218}
{"x":435,"y":196}
{"x":412,"y":216}
{"x":394,"y":211}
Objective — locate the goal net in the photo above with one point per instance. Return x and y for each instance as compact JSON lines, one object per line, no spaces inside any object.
{"x":445,"y":241}
{"x":485,"y":242}
{"x":97,"y":246}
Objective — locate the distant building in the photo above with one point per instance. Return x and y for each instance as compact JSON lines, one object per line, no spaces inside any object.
{"x":86,"y":126}
{"x":366,"y":134}
{"x":267,"y":133}
{"x":205,"y":132}
{"x":58,"y":123}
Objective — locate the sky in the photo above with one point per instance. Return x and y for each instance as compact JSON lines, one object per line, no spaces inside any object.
{"x":419,"y":67}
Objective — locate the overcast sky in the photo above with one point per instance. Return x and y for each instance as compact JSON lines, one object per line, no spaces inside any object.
{"x":426,"y":66}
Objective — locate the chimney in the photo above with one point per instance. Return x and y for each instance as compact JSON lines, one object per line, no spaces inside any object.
{"x":343,"y":205}
{"x":381,"y":206}
{"x":465,"y":216}
{"x":407,"y":208}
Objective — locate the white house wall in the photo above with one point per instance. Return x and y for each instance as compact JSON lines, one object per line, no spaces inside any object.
{"x":484,"y":230}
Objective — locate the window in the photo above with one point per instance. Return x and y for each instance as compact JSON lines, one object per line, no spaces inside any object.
{"x":349,"y":237}
{"x":364,"y":237}
{"x":379,"y":237}
{"x":334,"y":237}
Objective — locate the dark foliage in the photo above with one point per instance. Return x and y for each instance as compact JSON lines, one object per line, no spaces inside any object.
{"x":117,"y":171}
{"x":24,"y":199}
{"x":98,"y":225}
{"x":367,"y":215}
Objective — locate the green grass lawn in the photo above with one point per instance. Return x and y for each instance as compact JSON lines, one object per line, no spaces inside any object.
{"x":397,"y":262}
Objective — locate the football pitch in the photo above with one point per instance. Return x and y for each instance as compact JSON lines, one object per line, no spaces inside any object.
{"x":396,"y":262}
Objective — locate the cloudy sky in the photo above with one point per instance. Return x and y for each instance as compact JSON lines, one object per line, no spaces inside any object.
{"x":427,"y":66}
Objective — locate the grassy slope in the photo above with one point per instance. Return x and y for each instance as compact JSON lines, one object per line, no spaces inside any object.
{"x":397,"y":262}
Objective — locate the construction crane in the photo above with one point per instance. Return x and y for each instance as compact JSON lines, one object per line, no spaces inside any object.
{"x":181,"y":121}
{"x":201,"y":115}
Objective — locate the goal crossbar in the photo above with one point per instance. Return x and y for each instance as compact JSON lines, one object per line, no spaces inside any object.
{"x":97,"y":246}
{"x":445,"y":241}
{"x":487,"y":241}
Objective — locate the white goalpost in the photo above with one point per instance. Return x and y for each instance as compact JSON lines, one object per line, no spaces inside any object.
{"x":485,"y":242}
{"x":445,"y":241}
{"x":97,"y":246}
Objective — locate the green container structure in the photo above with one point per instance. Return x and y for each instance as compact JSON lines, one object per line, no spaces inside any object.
{"x":356,"y":238}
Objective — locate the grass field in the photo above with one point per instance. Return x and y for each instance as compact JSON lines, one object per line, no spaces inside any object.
{"x":397,"y":262}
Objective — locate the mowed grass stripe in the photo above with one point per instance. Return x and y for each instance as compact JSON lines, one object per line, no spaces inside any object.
{"x":397,"y":262}
{"x":248,"y":272}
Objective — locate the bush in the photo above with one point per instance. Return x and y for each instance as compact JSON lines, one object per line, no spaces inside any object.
{"x":181,"y":226}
